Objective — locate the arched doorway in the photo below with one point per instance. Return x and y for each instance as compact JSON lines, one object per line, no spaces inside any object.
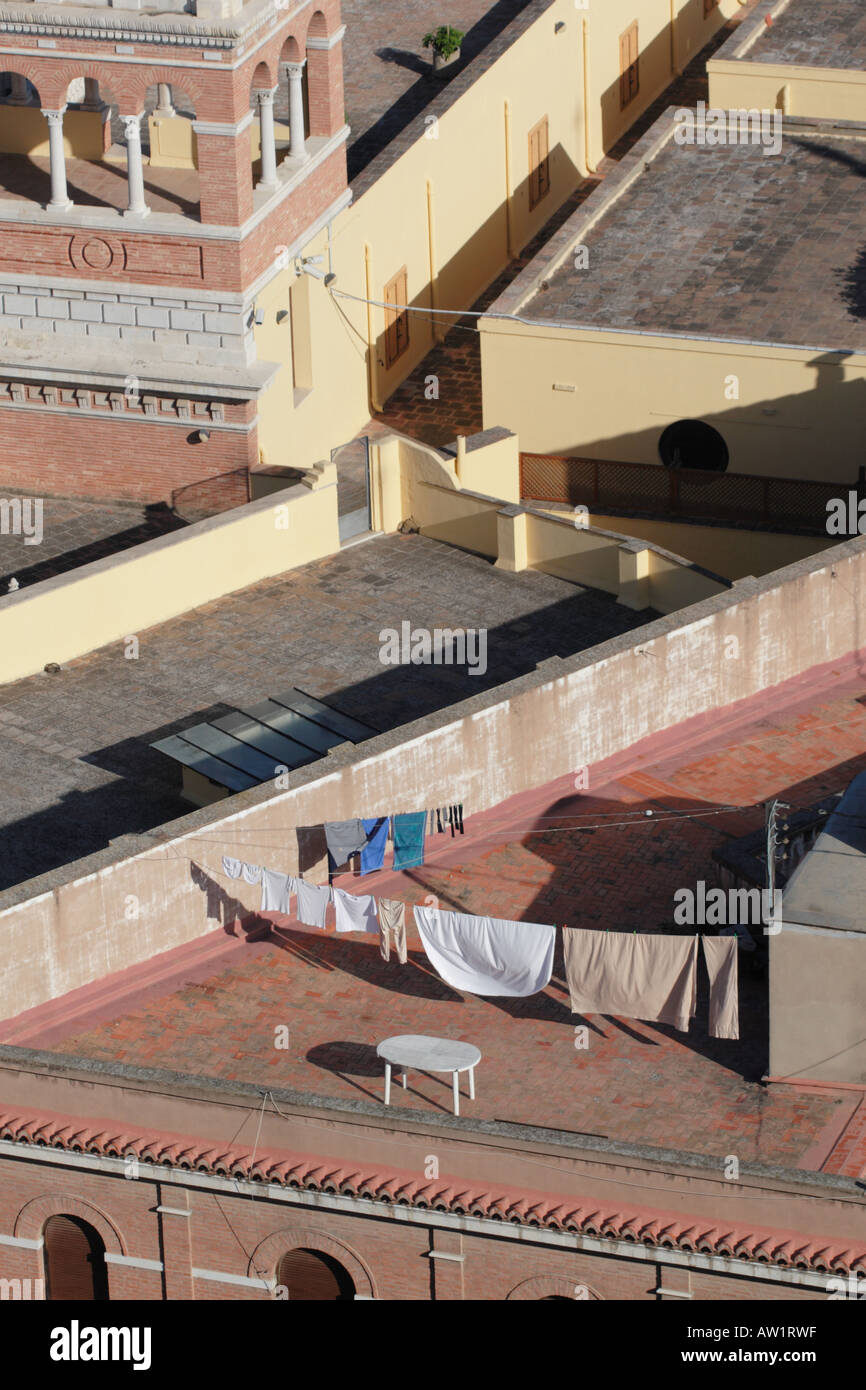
{"x":75,"y":1268}
{"x":310,"y":1276}
{"x":693,"y":444}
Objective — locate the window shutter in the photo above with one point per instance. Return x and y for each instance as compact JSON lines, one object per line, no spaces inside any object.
{"x":396,"y":319}
{"x":74,"y":1261}
{"x":543,"y":163}
{"x":309,"y":1276}
{"x":629,"y":65}
{"x":624,"y":48}
{"x":539,"y":169}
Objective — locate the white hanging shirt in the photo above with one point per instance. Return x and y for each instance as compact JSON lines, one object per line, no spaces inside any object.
{"x":277,"y":892}
{"x":313,"y":899}
{"x":355,"y":913}
{"x":487,"y":955}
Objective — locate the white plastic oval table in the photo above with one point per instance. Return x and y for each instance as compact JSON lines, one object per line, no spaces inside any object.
{"x":413,"y":1050}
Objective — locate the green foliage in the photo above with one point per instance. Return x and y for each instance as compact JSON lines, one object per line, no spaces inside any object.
{"x":444,"y":40}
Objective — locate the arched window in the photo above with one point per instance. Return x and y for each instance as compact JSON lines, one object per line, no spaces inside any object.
{"x":74,"y":1261}
{"x":693,"y":444}
{"x":310,"y":1276}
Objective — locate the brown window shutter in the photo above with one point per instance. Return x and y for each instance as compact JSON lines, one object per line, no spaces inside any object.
{"x":74,"y":1261}
{"x":403,"y":314}
{"x":396,"y":319}
{"x":310,"y":1276}
{"x":629,"y":65}
{"x":543,"y":161}
{"x":539,"y":169}
{"x":623,"y":69}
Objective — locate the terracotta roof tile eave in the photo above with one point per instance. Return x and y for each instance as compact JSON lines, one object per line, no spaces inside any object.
{"x":636,"y":1226}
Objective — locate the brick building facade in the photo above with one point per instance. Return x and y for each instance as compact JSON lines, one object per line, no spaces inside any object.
{"x":163,"y":1216}
{"x":128,"y":296}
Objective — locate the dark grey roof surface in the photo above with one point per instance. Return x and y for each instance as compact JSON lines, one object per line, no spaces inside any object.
{"x":815,"y":34}
{"x":723,"y":241}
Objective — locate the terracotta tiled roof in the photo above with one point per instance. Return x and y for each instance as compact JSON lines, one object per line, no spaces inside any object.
{"x":396,"y":1187}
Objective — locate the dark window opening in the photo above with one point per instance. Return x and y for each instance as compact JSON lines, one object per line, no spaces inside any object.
{"x":75,"y":1268}
{"x":311,"y":1276}
{"x":692,"y":444}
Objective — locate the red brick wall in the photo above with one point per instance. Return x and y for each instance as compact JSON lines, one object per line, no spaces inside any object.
{"x":131,"y":458}
{"x":220,"y":95}
{"x":231,"y":1234}
{"x":325,"y":83}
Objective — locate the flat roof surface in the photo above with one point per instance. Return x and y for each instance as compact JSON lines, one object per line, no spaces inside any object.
{"x":592,"y":860}
{"x":814,"y":34}
{"x":387,"y":74}
{"x":74,"y":531}
{"x":726,"y":242}
{"x":76,"y":766}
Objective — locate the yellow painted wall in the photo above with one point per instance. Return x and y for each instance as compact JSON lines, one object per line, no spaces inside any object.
{"x":445,"y":208}
{"x":727,"y":551}
{"x":24,"y":130}
{"x":110,"y":599}
{"x":173,"y":142}
{"x":799,"y":413}
{"x":417,"y":481}
{"x":828,"y":93}
{"x":670,"y":34}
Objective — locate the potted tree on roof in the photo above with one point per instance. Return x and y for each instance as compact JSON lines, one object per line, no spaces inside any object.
{"x":445,"y":42}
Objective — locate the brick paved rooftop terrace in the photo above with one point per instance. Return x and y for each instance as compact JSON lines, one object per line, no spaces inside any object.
{"x":387,"y":74}
{"x":74,"y":531}
{"x":724,"y":241}
{"x":76,"y":766}
{"x":594,"y":859}
{"x":814,"y":34}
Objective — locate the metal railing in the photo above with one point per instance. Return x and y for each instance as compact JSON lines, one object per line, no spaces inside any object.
{"x":685,"y":494}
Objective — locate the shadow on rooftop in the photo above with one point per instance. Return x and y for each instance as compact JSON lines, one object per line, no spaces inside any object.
{"x":159,"y":520}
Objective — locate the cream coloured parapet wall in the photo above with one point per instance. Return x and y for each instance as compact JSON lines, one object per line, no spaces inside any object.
{"x":112,"y":910}
{"x":108,"y":600}
{"x":468,"y":499}
{"x":835,"y":94}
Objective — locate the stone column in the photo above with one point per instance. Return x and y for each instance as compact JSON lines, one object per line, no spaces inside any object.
{"x":137,"y":207}
{"x":59,"y":196}
{"x":268,"y":140}
{"x":297,"y":148}
{"x":164,"y":106}
{"x":18,"y":96}
{"x":92,"y":100}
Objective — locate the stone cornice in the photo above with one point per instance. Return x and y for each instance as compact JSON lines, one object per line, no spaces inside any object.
{"x":177,"y":29}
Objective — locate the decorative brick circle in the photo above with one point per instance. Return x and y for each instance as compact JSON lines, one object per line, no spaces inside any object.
{"x":97,"y":253}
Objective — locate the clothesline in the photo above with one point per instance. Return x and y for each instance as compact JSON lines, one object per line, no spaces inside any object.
{"x":647,"y":976}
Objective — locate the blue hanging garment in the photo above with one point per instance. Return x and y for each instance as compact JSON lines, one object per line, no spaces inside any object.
{"x":373,"y":853}
{"x":409,"y":839}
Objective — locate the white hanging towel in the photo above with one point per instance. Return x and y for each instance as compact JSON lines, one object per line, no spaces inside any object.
{"x":231,"y":867}
{"x":252,"y":873}
{"x":313,"y":899}
{"x":355,"y":913}
{"x":487,"y":955}
{"x":277,"y":892}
